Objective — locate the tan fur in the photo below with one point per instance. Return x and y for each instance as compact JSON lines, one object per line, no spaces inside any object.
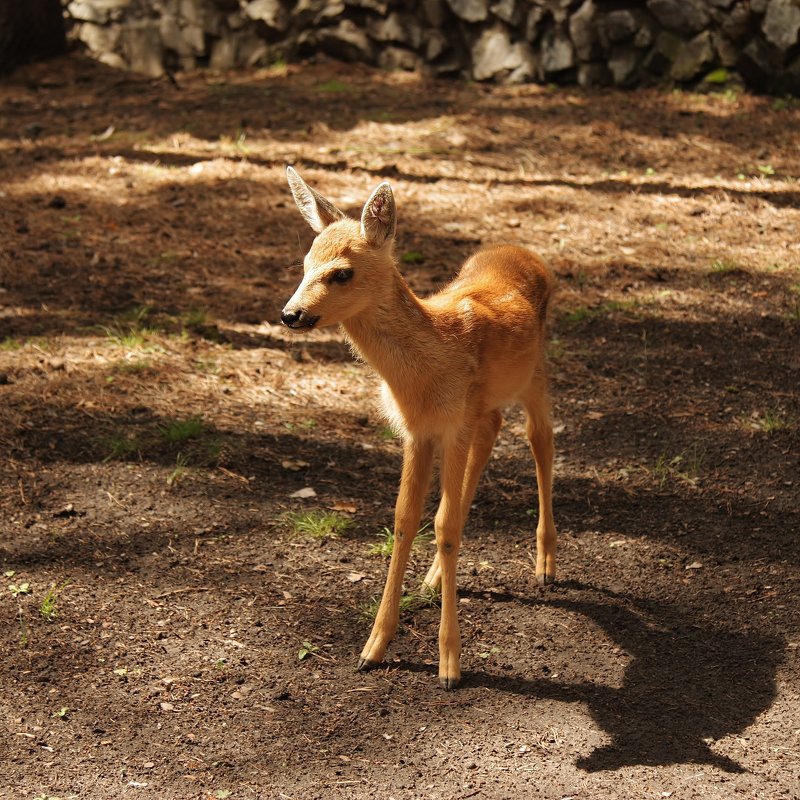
{"x":449,"y":363}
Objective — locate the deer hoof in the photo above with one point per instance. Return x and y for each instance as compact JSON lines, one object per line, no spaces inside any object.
{"x":448,"y":684}
{"x":546,"y":580}
{"x":366,"y":664}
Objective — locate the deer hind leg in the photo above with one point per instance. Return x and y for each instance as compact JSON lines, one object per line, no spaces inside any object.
{"x":479,"y":452}
{"x":417,"y":466}
{"x":449,"y":524}
{"x":540,"y":436}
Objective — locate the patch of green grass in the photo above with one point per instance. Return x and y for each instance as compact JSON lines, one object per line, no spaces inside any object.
{"x":335,"y":87}
{"x":685,"y":466}
{"x":194,"y":318}
{"x":385,"y":544}
{"x":724,"y":266}
{"x":413,"y":257}
{"x":119,"y":445}
{"x":180,"y":471}
{"x":410,"y":602}
{"x":584,"y":313}
{"x":319,"y":524}
{"x":136,"y":367}
{"x":9,"y":343}
{"x":129,"y":337}
{"x":556,"y":349}
{"x":307,"y":649}
{"x":181,"y":430}
{"x":387,"y":433}
{"x":787,"y":103}
{"x":48,"y":608}
{"x":769,"y":421}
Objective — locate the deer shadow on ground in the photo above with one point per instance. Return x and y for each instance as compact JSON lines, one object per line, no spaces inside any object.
{"x":689,"y":683}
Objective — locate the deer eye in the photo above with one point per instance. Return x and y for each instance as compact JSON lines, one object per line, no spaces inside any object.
{"x":341,"y":275}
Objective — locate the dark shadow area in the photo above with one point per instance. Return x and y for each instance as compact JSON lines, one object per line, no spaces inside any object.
{"x":688,"y":681}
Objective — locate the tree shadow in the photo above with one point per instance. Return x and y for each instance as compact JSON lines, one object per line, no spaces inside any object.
{"x":687,"y":685}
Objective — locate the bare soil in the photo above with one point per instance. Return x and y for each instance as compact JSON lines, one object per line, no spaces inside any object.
{"x":155,"y":422}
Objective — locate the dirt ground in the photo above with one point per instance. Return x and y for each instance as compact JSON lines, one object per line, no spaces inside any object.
{"x":168,"y":632}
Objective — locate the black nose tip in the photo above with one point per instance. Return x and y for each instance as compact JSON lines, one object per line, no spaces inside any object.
{"x":289,"y":318}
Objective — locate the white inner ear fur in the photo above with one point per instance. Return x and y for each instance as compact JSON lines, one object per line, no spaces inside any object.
{"x":379,"y":217}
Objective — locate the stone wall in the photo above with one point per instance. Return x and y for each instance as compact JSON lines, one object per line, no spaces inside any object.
{"x":590,"y":42}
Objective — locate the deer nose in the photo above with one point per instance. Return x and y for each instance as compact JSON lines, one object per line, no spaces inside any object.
{"x":290,"y":318}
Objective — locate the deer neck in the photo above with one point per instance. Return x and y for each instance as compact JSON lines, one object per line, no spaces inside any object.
{"x":395,"y":335}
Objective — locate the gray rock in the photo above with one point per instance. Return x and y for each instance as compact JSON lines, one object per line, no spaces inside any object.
{"x":528,"y":64}
{"x":330,"y":11}
{"x":235,"y":22}
{"x":583,"y":30}
{"x":192,"y":12}
{"x":758,"y":63}
{"x":253,"y":51}
{"x":345,"y":41}
{"x":224,"y":53}
{"x":738,"y":23}
{"x":393,"y":58}
{"x":495,"y":56}
{"x":172,"y":36}
{"x":665,"y":51}
{"x":195,"y":38}
{"x":727,"y":51}
{"x":693,"y":58}
{"x":435,"y":44}
{"x":788,"y":81}
{"x":490,"y":53}
{"x":646,"y":35}
{"x":620,"y":26}
{"x":557,"y":53}
{"x":534,"y":24}
{"x":270,"y":12}
{"x":781,"y":23}
{"x":99,"y":38}
{"x":378,"y":6}
{"x":434,"y":12}
{"x":509,"y":11}
{"x":594,"y":73}
{"x":682,"y":16}
{"x":470,"y":10}
{"x":142,"y":47}
{"x":97,"y":11}
{"x":396,"y":28}
{"x":558,"y":8}
{"x":87,"y":12}
{"x":624,"y":65}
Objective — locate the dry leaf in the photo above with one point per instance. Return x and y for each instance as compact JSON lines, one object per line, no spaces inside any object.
{"x":306,"y":492}
{"x":348,"y":508}
{"x":355,"y":577}
{"x":595,"y":415}
{"x":293,"y":465}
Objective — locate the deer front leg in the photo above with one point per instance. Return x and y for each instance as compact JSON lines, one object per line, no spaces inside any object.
{"x":479,"y":452}
{"x":417,"y":465}
{"x":449,"y":524}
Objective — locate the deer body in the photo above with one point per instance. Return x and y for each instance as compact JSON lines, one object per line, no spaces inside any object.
{"x":449,"y":363}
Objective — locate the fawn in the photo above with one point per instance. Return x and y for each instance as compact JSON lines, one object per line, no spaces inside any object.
{"x":449,"y":363}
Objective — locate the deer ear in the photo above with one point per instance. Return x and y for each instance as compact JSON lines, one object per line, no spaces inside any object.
{"x":316,"y":210}
{"x":379,"y":217}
